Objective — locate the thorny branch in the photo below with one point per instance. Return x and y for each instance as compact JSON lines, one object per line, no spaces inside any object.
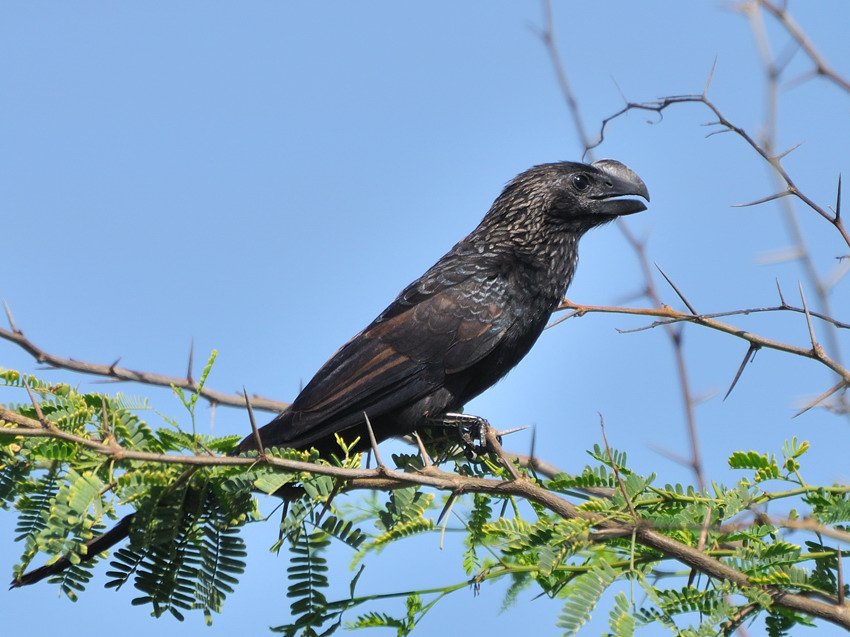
{"x":774,"y":69}
{"x":785,"y":187}
{"x":725,"y":125}
{"x":782,"y":14}
{"x":116,"y":373}
{"x":668,"y":315}
{"x":384,"y":478}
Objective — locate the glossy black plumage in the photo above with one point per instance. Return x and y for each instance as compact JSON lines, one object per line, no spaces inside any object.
{"x":468,"y":320}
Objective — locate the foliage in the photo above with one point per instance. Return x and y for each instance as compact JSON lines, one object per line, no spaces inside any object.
{"x":185,"y":551}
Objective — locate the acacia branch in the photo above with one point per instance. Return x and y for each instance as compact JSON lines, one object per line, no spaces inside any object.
{"x":726,"y":125}
{"x":383,"y":478}
{"x":117,"y":373}
{"x":669,"y":315}
{"x":774,"y":68}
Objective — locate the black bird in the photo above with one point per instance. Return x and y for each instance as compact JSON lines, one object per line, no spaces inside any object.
{"x":457,"y":329}
{"x":468,"y":320}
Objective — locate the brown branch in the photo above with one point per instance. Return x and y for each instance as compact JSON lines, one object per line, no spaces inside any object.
{"x":565,"y":304}
{"x":821,"y":67}
{"x":384,"y":478}
{"x":809,"y":524}
{"x":122,"y":374}
{"x":670,"y":315}
{"x":726,"y":125}
{"x":774,"y":68}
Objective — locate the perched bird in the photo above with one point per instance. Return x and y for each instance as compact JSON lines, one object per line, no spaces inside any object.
{"x":468,"y":320}
{"x":454,"y":331}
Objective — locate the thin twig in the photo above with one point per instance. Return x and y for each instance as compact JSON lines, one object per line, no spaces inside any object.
{"x":829,"y":392}
{"x":116,"y":373}
{"x":726,"y":125}
{"x":672,"y":316}
{"x":616,"y":471}
{"x":821,"y":67}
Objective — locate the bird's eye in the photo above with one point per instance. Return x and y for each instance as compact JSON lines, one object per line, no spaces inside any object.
{"x":581,"y":182}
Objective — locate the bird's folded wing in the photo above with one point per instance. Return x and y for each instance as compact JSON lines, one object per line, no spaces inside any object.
{"x":432,"y":330}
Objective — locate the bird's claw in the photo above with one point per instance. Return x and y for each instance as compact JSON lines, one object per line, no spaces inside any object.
{"x":470,"y":429}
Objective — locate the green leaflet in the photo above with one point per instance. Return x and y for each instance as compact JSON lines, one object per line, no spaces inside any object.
{"x":582,"y":594}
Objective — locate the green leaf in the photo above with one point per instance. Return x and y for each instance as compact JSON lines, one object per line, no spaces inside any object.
{"x":582,"y":595}
{"x":620,"y":618}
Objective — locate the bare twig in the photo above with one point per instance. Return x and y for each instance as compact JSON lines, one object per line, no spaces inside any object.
{"x":122,"y":374}
{"x":9,"y":317}
{"x":821,"y":67}
{"x":810,"y":524}
{"x":650,"y":291}
{"x":829,"y":392}
{"x":616,"y":471}
{"x":726,"y":125}
{"x":670,"y":315}
{"x":547,"y":36}
{"x":675,"y":336}
{"x":774,"y":69}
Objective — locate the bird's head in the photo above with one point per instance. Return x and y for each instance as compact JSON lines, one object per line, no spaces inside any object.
{"x":574,"y":196}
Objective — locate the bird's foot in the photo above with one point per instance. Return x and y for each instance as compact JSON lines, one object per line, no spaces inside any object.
{"x":472,"y":431}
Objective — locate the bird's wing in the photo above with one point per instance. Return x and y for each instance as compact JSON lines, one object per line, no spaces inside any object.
{"x":443,"y":323}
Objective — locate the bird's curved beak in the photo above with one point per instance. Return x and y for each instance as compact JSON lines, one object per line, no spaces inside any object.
{"x":619,"y":181}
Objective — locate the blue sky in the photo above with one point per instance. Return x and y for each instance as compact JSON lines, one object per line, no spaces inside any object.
{"x":263,"y":179}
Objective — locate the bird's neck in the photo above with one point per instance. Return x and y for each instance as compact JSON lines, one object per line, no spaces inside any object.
{"x":553,"y":266}
{"x":542,"y":260}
